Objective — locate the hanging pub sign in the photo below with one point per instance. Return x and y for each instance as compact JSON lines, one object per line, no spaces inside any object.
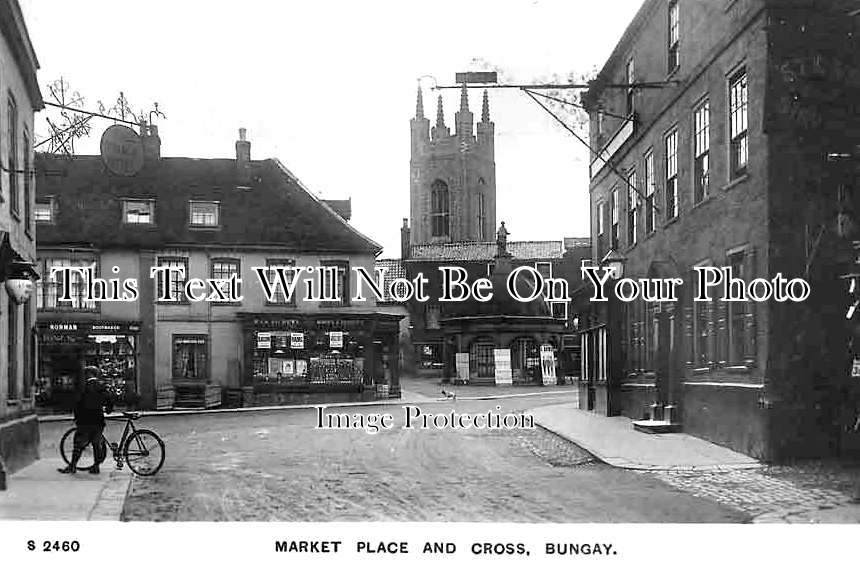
{"x":297,"y":340}
{"x":335,"y":339}
{"x":855,"y":369}
{"x":122,"y":150}
{"x":264,"y":340}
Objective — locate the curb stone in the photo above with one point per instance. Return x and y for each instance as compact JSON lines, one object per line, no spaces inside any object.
{"x":111,"y":499}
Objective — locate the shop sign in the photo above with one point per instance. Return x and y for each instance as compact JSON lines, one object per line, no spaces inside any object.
{"x":264,"y":340}
{"x":462,"y":360}
{"x":502,"y":359}
{"x":122,"y":150}
{"x":63,"y":326}
{"x":547,"y":363}
{"x":335,"y":339}
{"x":297,"y":340}
{"x":855,"y":369}
{"x":105,"y":327}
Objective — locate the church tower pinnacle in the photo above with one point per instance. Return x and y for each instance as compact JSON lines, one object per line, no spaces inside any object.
{"x":419,"y":105}
{"x":452,"y":188}
{"x":463,"y":118}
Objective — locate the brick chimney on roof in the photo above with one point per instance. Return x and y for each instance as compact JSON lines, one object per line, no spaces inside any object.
{"x":151,"y":142}
{"x":243,"y":148}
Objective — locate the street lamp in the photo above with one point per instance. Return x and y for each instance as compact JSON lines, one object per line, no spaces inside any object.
{"x":614,"y":261}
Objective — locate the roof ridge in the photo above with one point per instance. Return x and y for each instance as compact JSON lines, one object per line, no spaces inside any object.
{"x":280,"y":165}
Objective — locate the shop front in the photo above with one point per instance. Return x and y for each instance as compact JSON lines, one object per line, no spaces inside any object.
{"x":67,"y":347}
{"x":296,"y":357}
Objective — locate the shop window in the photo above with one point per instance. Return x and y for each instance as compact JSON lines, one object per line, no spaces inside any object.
{"x":482,"y":361}
{"x":49,"y":289}
{"x":280,"y":295}
{"x":138,"y":211}
{"x":431,"y":316}
{"x":525,"y":360}
{"x":44,"y":211}
{"x":190,"y":357}
{"x":204,"y":213}
{"x":224,"y":269}
{"x":429,"y":355}
{"x":177,"y":276}
{"x":340,"y":289}
{"x":739,"y":140}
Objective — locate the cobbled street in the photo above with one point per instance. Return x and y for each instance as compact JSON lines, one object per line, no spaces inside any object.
{"x":274,"y":465}
{"x":765,"y":498}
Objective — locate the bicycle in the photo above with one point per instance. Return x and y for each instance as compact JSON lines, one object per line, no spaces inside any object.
{"x":142,"y":449}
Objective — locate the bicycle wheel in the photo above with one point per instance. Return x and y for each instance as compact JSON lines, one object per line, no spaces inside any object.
{"x":144,"y":452}
{"x":67,"y":445}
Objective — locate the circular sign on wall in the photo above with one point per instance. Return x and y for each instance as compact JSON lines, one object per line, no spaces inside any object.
{"x":122,"y":150}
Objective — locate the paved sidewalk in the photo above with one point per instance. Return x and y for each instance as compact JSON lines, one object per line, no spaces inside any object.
{"x":614,"y":441}
{"x":39,"y":492}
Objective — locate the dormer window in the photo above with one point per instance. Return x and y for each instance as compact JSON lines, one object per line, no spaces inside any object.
{"x":138,"y":211}
{"x":204,"y":213}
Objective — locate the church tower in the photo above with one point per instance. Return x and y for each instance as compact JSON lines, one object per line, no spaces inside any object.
{"x":452,"y":176}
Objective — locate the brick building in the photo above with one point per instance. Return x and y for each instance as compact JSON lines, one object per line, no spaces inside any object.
{"x":211,"y":218}
{"x":19,"y":99}
{"x":730,"y":164}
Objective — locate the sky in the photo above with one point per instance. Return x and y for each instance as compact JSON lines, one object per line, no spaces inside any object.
{"x":329,"y":88}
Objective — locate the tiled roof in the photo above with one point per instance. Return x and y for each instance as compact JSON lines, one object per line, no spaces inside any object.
{"x":576,"y":242}
{"x":265,"y":205}
{"x":394,"y":269}
{"x":342,"y":207}
{"x":486,"y":251}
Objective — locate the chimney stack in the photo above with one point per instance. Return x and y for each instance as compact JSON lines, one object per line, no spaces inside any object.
{"x":243,"y":148}
{"x":405,"y":240}
{"x":151,"y":142}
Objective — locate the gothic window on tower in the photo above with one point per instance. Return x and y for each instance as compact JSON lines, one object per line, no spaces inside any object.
{"x":439,"y":208}
{"x":482,"y":215}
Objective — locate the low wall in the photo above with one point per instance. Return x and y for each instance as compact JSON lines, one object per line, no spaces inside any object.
{"x":19,"y":444}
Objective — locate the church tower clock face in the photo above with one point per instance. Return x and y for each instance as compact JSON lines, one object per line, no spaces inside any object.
{"x":452,"y":183}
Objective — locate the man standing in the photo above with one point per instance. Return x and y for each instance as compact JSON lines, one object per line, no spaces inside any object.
{"x":90,"y":406}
